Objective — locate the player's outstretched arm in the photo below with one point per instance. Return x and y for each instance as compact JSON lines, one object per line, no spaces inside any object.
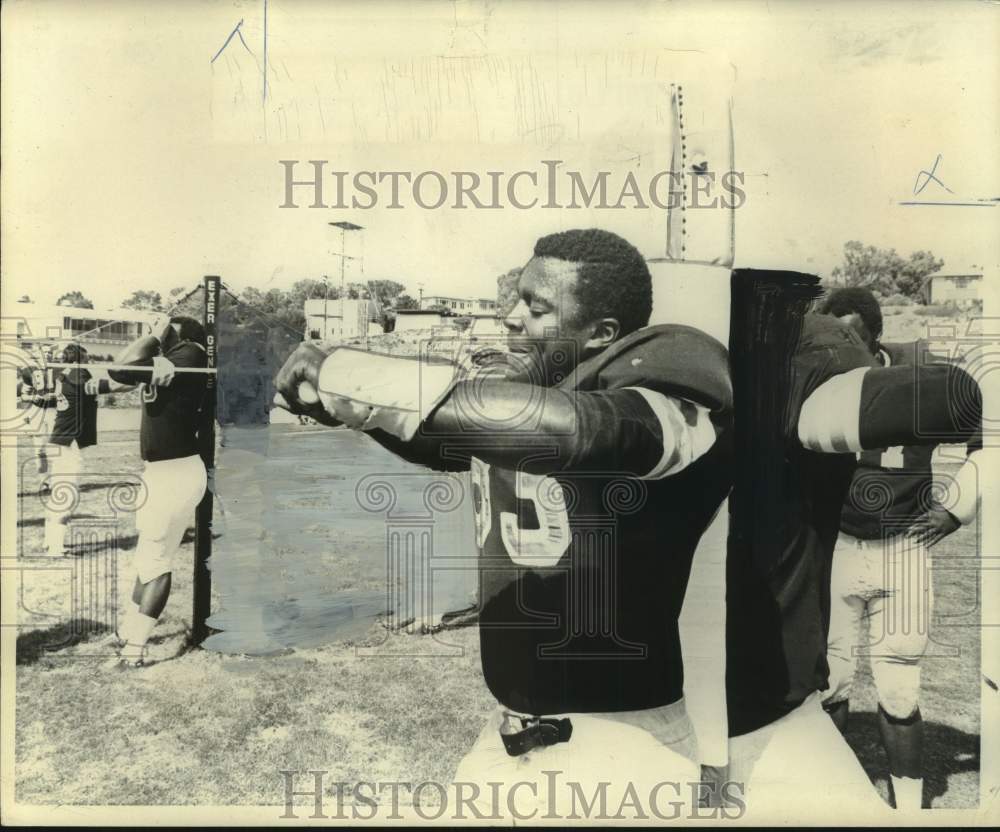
{"x":631,"y":430}
{"x":425,"y":413}
{"x":879,"y":407}
{"x":140,"y":353}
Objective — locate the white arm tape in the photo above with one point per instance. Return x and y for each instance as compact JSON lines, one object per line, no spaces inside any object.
{"x":683,"y":443}
{"x":962,"y":495}
{"x":830,"y":420}
{"x":401,"y":391}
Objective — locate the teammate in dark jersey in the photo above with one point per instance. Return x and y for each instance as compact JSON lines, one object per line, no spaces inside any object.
{"x":840,"y":402}
{"x":74,"y":399}
{"x":882,"y":570}
{"x":596,"y":467}
{"x":174,"y":475}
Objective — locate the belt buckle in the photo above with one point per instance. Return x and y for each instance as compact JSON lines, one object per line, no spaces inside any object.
{"x":535,"y":731}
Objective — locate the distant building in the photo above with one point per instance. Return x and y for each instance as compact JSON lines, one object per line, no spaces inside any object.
{"x":960,"y":289}
{"x":460,"y":306}
{"x":110,"y":329}
{"x":328,"y":319}
{"x":409,"y":319}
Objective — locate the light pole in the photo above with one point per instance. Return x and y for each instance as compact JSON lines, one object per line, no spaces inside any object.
{"x":344,"y":227}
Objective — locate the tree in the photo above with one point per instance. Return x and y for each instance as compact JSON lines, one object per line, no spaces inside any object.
{"x":915,"y":272}
{"x":193,"y":305}
{"x":76,"y":299}
{"x":884,"y":271}
{"x":385,"y":291}
{"x":287,"y":306}
{"x":145,"y":300}
{"x":404,"y":301}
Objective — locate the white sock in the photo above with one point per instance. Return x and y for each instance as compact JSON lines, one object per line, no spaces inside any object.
{"x":909,"y":792}
{"x":130,"y":611}
{"x":136,"y":629}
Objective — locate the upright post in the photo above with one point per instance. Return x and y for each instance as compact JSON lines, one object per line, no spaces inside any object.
{"x":202,"y":602}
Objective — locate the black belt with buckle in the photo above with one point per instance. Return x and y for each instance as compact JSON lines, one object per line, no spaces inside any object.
{"x":535,"y":731}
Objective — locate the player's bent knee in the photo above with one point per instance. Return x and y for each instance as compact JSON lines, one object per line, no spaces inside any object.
{"x":900,"y":706}
{"x":897,"y":684}
{"x":149,"y":566}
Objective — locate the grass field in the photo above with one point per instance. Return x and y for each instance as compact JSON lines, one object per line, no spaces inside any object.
{"x":204,"y":728}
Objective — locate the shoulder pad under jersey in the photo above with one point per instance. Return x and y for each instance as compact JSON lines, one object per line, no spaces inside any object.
{"x":671,"y":359}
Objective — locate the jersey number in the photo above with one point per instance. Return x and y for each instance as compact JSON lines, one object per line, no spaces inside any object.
{"x":892,"y":457}
{"x":62,"y":403}
{"x":539,"y":548}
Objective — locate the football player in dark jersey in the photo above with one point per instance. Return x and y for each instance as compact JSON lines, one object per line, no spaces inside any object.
{"x":838,"y":401}
{"x":74,"y":400}
{"x":36,"y":389}
{"x":174,"y":474}
{"x":597,"y":462}
{"x":882,"y":571}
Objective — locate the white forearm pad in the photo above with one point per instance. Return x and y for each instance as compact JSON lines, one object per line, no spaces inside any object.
{"x":401,"y":391}
{"x":962,"y":491}
{"x":830,"y":419}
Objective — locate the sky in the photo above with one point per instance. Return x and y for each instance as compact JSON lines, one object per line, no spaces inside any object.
{"x":133,"y":160}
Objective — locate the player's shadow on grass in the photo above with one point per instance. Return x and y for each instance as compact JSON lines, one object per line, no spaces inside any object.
{"x":83,"y":486}
{"x":123,"y":543}
{"x":947,"y":751}
{"x":38,"y":643}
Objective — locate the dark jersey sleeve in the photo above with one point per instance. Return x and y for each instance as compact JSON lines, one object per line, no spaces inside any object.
{"x":920,"y":405}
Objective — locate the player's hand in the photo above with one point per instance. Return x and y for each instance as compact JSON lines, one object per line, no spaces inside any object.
{"x":163,"y":372}
{"x":90,"y":386}
{"x":349,"y":412}
{"x":933,"y":526}
{"x":302,"y":368}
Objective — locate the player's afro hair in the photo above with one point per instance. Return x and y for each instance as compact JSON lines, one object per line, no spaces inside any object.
{"x":614,"y":280}
{"x":74,"y":353}
{"x":190,"y":329}
{"x":854,"y":300}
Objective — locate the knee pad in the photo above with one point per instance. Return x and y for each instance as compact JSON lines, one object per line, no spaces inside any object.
{"x":897,"y":677}
{"x":899,"y":697}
